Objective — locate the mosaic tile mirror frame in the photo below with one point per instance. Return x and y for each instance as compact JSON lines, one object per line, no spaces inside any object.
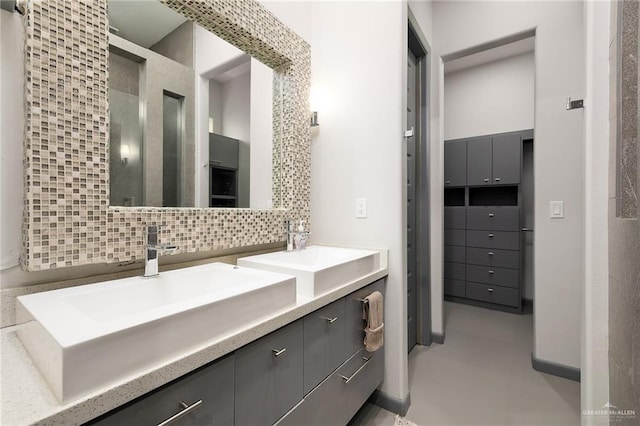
{"x":67,"y":218}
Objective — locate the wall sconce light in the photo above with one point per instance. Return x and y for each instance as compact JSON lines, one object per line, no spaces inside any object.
{"x":314,"y":119}
{"x":124,"y":154}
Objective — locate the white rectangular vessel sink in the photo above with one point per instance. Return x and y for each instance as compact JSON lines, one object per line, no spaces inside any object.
{"x":318,"y":269}
{"x":84,"y":338}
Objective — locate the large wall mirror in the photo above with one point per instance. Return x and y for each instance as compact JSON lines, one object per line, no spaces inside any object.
{"x":111,"y":146}
{"x":190,"y":114}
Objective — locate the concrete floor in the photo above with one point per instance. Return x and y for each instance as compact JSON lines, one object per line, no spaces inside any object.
{"x":482,"y":375}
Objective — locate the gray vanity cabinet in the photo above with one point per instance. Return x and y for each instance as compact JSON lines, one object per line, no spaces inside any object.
{"x":312,"y":371}
{"x":208,"y":391}
{"x":269,"y":376}
{"x":455,"y":153}
{"x":324,"y":343}
{"x":223,"y":151}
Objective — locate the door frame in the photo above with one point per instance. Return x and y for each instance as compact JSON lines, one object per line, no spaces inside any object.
{"x":417,"y":43}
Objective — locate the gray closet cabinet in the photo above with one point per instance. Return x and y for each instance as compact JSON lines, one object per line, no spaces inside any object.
{"x":314,"y":370}
{"x":455,"y":153}
{"x":482,"y":224}
{"x":494,"y":160}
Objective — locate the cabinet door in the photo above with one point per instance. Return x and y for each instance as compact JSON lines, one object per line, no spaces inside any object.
{"x":479,"y":159}
{"x":223,"y":151}
{"x":269,"y":376}
{"x":455,"y":163}
{"x":507,"y":159}
{"x":209,"y":390}
{"x":324,"y":343}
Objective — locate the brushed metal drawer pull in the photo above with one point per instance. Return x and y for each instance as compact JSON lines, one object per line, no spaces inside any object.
{"x":486,"y":179}
{"x":490,"y":235}
{"x":497,"y":179}
{"x":447,"y":182}
{"x":187,"y":410}
{"x":490,"y":290}
{"x":490,"y":272}
{"x":330,"y":320}
{"x":348,"y":379}
{"x":490,"y":253}
{"x":277,"y":353}
{"x":490,"y":214}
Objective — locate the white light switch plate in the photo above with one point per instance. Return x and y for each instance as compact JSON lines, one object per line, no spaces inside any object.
{"x":556,"y":209}
{"x":361,"y":208}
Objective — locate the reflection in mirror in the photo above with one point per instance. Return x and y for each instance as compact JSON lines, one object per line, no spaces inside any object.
{"x":191,"y":115}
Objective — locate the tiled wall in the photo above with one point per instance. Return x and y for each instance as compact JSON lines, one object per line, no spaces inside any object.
{"x":67,"y":219}
{"x":624,"y":223}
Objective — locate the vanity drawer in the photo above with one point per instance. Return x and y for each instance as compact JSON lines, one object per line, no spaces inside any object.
{"x":454,"y":254}
{"x":455,"y":217}
{"x":493,"y":294}
{"x":325,"y":341}
{"x":455,"y":237}
{"x":212,"y":384}
{"x":269,"y":385}
{"x":355,"y":324}
{"x":454,"y":288}
{"x":493,"y":218}
{"x":493,"y":257}
{"x":491,"y":275}
{"x":335,"y":401}
{"x":454,"y":271}
{"x":494,"y":239}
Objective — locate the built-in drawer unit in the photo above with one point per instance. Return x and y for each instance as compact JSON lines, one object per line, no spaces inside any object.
{"x":455,"y":254}
{"x":454,"y":288}
{"x":269,"y":376}
{"x":492,"y":257}
{"x":325,"y":342}
{"x":491,"y":275}
{"x":203,"y":397}
{"x":455,"y":237}
{"x":454,"y":271}
{"x":349,"y":386}
{"x":455,"y":217}
{"x":355,"y":321}
{"x":499,"y":218}
{"x":494,"y":239}
{"x":493,"y":294}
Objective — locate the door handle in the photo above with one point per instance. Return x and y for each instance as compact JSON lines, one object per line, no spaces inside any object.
{"x":187,"y":410}
{"x":277,"y":353}
{"x":329,"y":320}
{"x":348,"y":379}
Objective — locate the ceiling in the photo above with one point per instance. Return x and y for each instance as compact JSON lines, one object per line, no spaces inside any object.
{"x":490,"y":55}
{"x":143,"y":22}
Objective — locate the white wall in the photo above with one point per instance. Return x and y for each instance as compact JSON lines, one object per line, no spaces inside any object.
{"x":559,"y":152}
{"x":11,"y":137}
{"x":261,"y":136}
{"x":595,"y":345}
{"x":491,"y":98}
{"x":212,"y":53}
{"x":359,"y":63}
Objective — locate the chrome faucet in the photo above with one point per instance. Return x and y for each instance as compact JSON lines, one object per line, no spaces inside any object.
{"x":153,"y":250}
{"x":288,"y":229}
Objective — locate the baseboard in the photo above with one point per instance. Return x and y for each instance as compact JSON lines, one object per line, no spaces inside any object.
{"x":555,"y":369}
{"x":389,"y":403}
{"x":437,"y":337}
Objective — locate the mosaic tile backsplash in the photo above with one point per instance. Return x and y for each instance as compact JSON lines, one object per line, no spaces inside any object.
{"x":67,"y":218}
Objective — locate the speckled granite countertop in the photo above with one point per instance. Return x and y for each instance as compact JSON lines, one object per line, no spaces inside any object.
{"x":27,"y":399}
